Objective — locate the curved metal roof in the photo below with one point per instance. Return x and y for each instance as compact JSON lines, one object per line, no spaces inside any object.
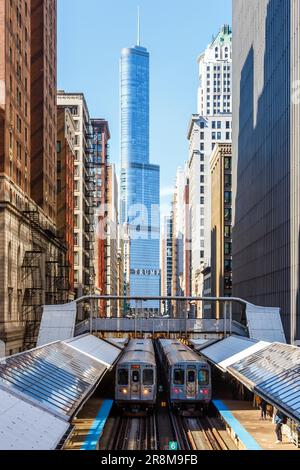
{"x":232,"y":349}
{"x":274,"y":373}
{"x":42,"y":389}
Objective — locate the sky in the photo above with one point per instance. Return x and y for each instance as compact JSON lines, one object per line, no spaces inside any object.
{"x":91,"y":34}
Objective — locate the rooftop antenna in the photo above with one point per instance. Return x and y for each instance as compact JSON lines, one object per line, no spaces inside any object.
{"x":139,"y":28}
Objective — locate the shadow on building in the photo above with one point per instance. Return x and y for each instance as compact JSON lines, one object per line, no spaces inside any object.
{"x":262,"y":225}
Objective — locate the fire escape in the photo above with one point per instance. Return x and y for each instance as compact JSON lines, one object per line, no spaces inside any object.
{"x":45,"y":279}
{"x":90,"y":194}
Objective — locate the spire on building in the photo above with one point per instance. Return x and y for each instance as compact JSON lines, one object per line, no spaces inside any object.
{"x":139,"y":28}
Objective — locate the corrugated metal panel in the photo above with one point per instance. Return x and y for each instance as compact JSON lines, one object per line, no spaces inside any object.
{"x":26,"y":427}
{"x":56,"y":376}
{"x":58,"y":323}
{"x":200,"y":344}
{"x":274,"y":373}
{"x":99,"y":350}
{"x":265,"y":324}
{"x":231,"y":349}
{"x":119,"y":342}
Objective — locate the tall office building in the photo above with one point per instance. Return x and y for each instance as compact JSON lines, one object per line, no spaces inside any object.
{"x":99,"y":164}
{"x":43,"y":105}
{"x":221,"y":223}
{"x":33,"y":267}
{"x":140,"y":180}
{"x":266,"y":149}
{"x":167,"y":261}
{"x":211,"y":125}
{"x":65,"y":187}
{"x":84,"y":193}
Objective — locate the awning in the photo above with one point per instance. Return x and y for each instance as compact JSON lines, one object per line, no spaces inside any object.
{"x":273,"y":373}
{"x":231,"y":350}
{"x":43,"y":389}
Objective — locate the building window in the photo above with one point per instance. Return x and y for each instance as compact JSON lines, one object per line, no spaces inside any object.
{"x":227,"y":163}
{"x":76,"y":239}
{"x":228,"y":214}
{"x":228,"y":231}
{"x":58,"y":146}
{"x":228,"y":265}
{"x":228,"y":181}
{"x":10,"y":302}
{"x":227,"y":249}
{"x":227,"y":197}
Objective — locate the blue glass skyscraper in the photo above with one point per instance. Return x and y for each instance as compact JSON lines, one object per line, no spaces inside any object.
{"x":140,"y":181}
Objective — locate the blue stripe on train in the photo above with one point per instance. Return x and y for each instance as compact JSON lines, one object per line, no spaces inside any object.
{"x":97,"y":427}
{"x":236,"y":426}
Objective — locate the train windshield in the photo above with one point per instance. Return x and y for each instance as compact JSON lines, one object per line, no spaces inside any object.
{"x":148,"y":377}
{"x":178,"y":377}
{"x":135,"y":376}
{"x":203,"y":377}
{"x":123,"y":377}
{"x":191,"y":376}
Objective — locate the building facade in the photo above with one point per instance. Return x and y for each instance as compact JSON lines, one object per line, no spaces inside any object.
{"x":65,"y":187}
{"x":211,"y":125}
{"x":84,"y":195}
{"x":99,"y":168}
{"x":112,"y":246}
{"x":221,"y":223}
{"x":43,"y":104}
{"x":167,"y":262}
{"x":33,"y":269}
{"x":266,"y":150}
{"x":140,"y":180}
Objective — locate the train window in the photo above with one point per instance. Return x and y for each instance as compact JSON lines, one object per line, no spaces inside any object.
{"x":135,"y":376}
{"x":191,"y":376}
{"x":203,"y":377}
{"x":123,"y":377}
{"x":148,"y":377}
{"x":178,"y":377}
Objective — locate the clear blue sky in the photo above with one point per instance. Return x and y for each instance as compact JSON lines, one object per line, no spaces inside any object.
{"x":91,"y":34}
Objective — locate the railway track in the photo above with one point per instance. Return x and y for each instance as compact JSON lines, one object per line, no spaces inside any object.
{"x":135,"y":433}
{"x":207,"y":434}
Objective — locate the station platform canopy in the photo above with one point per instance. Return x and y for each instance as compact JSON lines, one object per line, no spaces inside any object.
{"x":43,"y":389}
{"x":199,"y":344}
{"x":230,"y":350}
{"x":270,"y":370}
{"x":274,"y":374}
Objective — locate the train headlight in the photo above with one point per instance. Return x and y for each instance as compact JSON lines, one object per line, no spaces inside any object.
{"x":125,"y":391}
{"x":146,"y":392}
{"x":176,"y":391}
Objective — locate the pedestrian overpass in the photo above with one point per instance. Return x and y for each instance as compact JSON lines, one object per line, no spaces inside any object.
{"x":238,"y":317}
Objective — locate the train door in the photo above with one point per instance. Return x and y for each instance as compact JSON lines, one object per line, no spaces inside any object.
{"x":135,"y":383}
{"x":191,"y":382}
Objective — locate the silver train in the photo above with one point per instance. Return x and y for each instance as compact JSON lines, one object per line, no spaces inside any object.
{"x":188,"y":376}
{"x":136,"y":376}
